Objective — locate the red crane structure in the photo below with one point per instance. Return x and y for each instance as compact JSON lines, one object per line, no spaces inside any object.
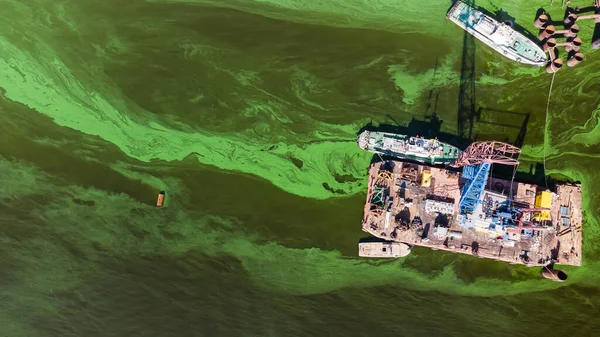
{"x":492,"y":152}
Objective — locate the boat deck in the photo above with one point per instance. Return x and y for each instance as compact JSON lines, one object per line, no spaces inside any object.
{"x":397,"y":195}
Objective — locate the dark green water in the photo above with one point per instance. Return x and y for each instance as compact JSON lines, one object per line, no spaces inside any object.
{"x":246,"y":113}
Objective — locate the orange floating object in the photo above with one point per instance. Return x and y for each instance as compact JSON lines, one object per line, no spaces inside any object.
{"x":161,"y":199}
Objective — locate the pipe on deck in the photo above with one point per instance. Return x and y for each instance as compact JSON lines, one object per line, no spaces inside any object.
{"x":541,"y":21}
{"x":571,"y":32}
{"x":547,"y":32}
{"x":549,"y":44}
{"x":570,"y":19}
{"x":555,"y":64}
{"x":575,"y":59}
{"x":552,"y":54}
{"x":596,"y":17}
{"x":572,"y":45}
{"x":554,"y":275}
{"x":551,"y":30}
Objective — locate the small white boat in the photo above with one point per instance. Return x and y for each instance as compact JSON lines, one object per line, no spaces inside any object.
{"x":383,"y":249}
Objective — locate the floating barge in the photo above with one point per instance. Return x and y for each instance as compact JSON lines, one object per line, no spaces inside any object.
{"x":515,"y":222}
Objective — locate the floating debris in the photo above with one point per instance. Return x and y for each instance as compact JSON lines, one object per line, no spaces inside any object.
{"x":161,"y":199}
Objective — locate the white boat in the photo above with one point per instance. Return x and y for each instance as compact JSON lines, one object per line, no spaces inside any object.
{"x":427,"y":151}
{"x":383,"y":249}
{"x":501,"y":37}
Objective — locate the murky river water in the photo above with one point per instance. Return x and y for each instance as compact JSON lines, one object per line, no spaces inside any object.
{"x":245,"y":113}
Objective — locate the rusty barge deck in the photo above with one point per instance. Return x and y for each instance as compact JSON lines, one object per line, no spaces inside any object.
{"x":419,"y":205}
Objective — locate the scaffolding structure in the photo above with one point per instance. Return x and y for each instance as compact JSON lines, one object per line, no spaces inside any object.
{"x":488,"y":152}
{"x":378,"y":196}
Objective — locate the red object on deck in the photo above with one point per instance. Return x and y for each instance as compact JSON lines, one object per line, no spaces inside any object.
{"x":161,"y":199}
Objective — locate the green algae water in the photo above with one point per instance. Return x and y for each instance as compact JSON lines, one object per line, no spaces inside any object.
{"x":245,"y":112}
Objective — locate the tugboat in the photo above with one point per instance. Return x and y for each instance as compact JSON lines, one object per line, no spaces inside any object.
{"x":427,"y":151}
{"x":500,"y":36}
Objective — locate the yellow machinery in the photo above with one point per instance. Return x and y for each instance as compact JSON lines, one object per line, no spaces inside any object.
{"x":426,"y":178}
{"x":543,"y":200}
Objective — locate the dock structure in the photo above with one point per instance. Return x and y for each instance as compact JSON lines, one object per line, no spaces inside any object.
{"x":548,"y":35}
{"x":513,"y":222}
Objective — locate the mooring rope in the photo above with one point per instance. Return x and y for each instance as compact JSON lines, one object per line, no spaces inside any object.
{"x":551,"y":273}
{"x":546,"y":127}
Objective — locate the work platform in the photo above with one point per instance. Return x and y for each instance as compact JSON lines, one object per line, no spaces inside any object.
{"x":418,"y":205}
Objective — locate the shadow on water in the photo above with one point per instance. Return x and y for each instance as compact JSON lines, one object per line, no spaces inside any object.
{"x":466,"y":93}
{"x":521,"y":128}
{"x":369,"y":239}
{"x":596,"y":37}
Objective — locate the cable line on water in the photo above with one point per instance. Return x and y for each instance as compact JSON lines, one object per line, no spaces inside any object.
{"x":546,"y":128}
